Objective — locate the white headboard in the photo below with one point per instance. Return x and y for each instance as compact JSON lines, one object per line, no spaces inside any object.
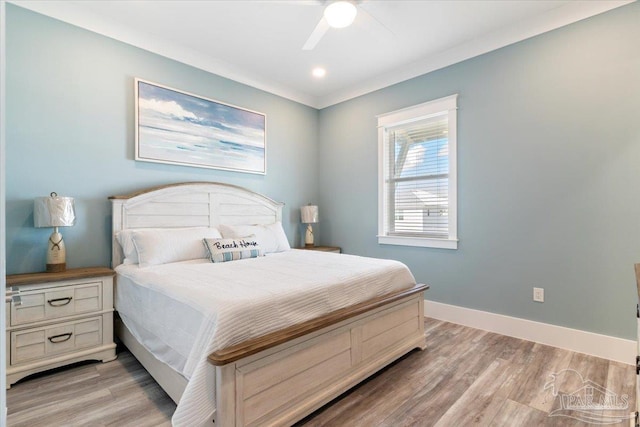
{"x":190,"y":204}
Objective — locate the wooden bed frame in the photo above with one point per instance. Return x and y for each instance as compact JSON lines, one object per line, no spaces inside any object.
{"x":282,"y":377}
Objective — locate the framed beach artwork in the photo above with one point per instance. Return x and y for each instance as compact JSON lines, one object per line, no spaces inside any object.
{"x":180,"y":128}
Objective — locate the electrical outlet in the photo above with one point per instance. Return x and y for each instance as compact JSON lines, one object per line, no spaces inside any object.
{"x":538,"y":294}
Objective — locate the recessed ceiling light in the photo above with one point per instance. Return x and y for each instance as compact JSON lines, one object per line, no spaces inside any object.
{"x":319,"y":72}
{"x":340,"y":14}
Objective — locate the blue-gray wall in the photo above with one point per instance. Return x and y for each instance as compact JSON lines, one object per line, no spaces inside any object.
{"x":548,"y":176}
{"x":70,"y":98}
{"x":549,"y":161}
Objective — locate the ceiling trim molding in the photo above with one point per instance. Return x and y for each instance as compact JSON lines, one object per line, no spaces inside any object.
{"x":71,"y":14}
{"x":519,"y":31}
{"x":553,"y":19}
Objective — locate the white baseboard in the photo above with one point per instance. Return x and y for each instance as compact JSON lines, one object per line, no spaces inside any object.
{"x":604,"y":346}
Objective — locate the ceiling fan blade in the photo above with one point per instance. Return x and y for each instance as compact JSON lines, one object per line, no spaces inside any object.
{"x":370,"y":21}
{"x":316,"y":35}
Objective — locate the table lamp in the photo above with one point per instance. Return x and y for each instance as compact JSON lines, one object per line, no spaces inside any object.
{"x":54,"y":211}
{"x":309,"y":215}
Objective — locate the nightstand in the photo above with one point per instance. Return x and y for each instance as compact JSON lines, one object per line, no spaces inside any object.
{"x":55,"y":319}
{"x":335,"y":249}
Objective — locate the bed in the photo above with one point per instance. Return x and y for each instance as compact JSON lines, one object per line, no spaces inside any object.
{"x":270,"y":369}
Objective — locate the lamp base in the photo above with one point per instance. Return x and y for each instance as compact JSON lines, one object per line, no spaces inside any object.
{"x":56,"y":253}
{"x":308,"y":237}
{"x":56,"y":268}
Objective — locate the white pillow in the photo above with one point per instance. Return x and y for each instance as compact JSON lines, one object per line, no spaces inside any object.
{"x":160,"y":246}
{"x":271,"y":237}
{"x":223,"y":250}
{"x":124,"y":238}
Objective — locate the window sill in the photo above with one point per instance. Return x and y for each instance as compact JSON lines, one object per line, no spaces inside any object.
{"x":419,"y":241}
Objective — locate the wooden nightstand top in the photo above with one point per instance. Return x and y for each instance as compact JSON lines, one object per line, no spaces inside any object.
{"x":70,"y":274}
{"x":322,"y":248}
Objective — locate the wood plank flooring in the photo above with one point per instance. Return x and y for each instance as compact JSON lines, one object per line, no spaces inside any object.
{"x":465,"y":377}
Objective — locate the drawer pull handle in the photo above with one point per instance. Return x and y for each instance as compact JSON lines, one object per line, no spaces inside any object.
{"x":66,"y":300}
{"x":64,"y":337}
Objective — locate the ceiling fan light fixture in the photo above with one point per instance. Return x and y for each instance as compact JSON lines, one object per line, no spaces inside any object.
{"x":340,"y":14}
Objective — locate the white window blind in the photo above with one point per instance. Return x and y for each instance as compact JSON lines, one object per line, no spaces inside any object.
{"x":417,"y":175}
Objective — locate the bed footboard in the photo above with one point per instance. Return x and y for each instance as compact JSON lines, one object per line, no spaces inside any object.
{"x":286,"y":382}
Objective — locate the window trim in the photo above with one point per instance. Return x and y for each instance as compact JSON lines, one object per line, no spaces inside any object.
{"x":403,"y":117}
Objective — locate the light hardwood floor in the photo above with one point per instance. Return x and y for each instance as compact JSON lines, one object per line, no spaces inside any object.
{"x":466,"y":376}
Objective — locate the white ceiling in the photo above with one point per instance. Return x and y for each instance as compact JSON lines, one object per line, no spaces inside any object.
{"x":260,"y":42}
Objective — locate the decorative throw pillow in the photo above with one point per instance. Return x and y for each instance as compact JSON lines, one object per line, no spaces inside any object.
{"x":222,"y":250}
{"x":271,"y":237}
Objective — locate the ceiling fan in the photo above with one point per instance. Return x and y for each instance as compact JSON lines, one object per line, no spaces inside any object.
{"x":338,"y":14}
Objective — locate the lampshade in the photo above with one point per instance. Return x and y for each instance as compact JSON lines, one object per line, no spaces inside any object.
{"x":340,"y":14}
{"x":309,"y":214}
{"x":53,"y":211}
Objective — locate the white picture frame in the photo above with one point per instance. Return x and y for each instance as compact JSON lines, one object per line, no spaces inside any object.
{"x":180,"y":128}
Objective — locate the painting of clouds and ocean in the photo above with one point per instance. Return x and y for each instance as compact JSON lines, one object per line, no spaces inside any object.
{"x":176,"y":127}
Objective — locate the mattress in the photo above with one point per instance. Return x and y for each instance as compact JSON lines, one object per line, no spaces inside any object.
{"x":182,"y":312}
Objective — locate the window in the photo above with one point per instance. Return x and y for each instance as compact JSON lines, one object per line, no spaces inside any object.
{"x":417,"y":175}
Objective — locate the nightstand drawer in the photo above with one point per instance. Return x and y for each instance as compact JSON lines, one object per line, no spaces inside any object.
{"x":53,"y":303}
{"x":39,"y":343}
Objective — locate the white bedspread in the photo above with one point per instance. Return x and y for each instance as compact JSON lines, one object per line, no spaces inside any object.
{"x":239,"y":300}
